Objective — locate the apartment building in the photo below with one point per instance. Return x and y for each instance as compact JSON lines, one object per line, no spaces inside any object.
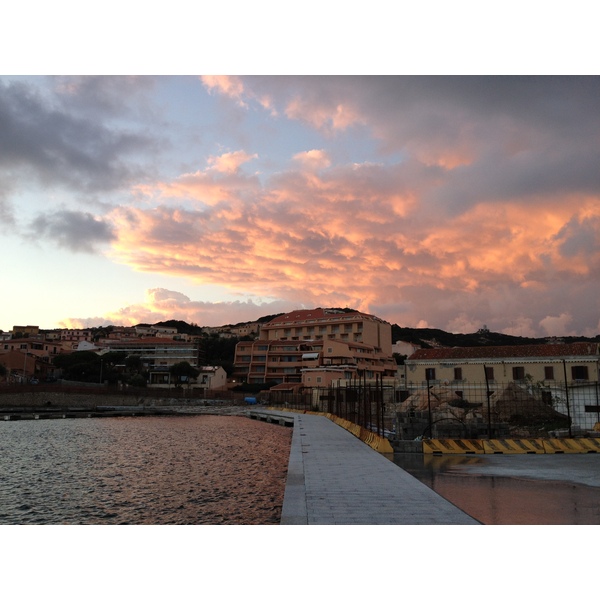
{"x":317,"y":347}
{"x":160,"y":331}
{"x":230,"y":331}
{"x":576,"y":362}
{"x":25,"y":330}
{"x":75,"y":335}
{"x":155,"y":353}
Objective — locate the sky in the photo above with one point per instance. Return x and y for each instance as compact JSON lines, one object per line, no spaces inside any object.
{"x":430,"y":201}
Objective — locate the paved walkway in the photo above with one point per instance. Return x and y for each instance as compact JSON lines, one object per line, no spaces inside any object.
{"x":335,"y":479}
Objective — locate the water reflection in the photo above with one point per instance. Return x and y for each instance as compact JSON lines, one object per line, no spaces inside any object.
{"x":150,"y":470}
{"x":502,"y":500}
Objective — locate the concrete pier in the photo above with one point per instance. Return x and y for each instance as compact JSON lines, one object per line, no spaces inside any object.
{"x":336,"y":479}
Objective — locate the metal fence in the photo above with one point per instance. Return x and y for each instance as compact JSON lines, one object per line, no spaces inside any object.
{"x":467,"y":410}
{"x":517,"y":409}
{"x":360,"y":402}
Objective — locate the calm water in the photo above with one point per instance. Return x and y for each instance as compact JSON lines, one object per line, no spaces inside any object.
{"x":514,"y":490}
{"x":148,"y":470}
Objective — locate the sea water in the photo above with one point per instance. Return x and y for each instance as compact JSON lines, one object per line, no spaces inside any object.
{"x":183,"y":470}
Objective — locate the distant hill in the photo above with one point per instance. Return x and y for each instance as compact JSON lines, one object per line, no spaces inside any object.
{"x":484,"y":337}
{"x":424,"y":337}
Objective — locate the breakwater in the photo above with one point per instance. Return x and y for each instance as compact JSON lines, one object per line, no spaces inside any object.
{"x":90,"y":400}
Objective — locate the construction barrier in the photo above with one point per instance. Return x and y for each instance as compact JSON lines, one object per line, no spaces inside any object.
{"x":453,"y":447}
{"x":572,"y":446}
{"x":527,"y":446}
{"x":507,"y":446}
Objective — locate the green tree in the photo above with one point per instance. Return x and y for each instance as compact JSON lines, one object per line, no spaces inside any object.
{"x":183,"y":371}
{"x":137,"y":380}
{"x":399,"y":358}
{"x":79,"y":366}
{"x":134,"y":363}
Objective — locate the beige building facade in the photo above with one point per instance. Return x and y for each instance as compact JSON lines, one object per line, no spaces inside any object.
{"x":317,"y":347}
{"x":565,"y":375}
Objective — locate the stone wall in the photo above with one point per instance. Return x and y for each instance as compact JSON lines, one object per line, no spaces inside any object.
{"x":81,"y":400}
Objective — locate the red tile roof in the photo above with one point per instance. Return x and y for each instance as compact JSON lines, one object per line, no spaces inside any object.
{"x":534,"y":350}
{"x":314,"y":314}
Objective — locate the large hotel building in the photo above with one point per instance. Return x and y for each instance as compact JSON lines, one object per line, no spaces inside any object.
{"x":317,"y":347}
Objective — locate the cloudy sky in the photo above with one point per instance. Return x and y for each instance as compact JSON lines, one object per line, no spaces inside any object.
{"x":429,"y":201}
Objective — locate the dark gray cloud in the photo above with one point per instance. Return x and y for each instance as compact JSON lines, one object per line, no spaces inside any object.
{"x":54,"y":146}
{"x":76,"y":231}
{"x":517,"y":136}
{"x":6,"y":211}
{"x":106,"y":96}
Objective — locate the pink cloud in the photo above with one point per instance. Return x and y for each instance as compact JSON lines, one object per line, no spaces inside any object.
{"x":162,"y":304}
{"x":326,"y":116}
{"x":225,"y":84}
{"x":360,"y":237}
{"x":557,"y":326}
{"x":230,"y":162}
{"x":313,"y":159}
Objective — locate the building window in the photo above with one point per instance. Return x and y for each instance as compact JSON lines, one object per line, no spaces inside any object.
{"x":430,"y":374}
{"x":579,"y":372}
{"x":489,"y":373}
{"x":518,"y":373}
{"x":548,"y":372}
{"x":319,"y":379}
{"x":458,"y":373}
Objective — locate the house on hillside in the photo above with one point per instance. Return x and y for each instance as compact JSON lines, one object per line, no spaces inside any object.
{"x":29,"y":358}
{"x":156,"y":354}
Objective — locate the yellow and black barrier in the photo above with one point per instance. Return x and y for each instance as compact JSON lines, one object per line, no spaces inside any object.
{"x":572,"y":446}
{"x":524,"y":446}
{"x":516,"y":446}
{"x":453,"y":447}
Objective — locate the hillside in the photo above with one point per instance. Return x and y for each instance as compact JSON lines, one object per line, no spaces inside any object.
{"x":425,"y":337}
{"x":484,"y":337}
